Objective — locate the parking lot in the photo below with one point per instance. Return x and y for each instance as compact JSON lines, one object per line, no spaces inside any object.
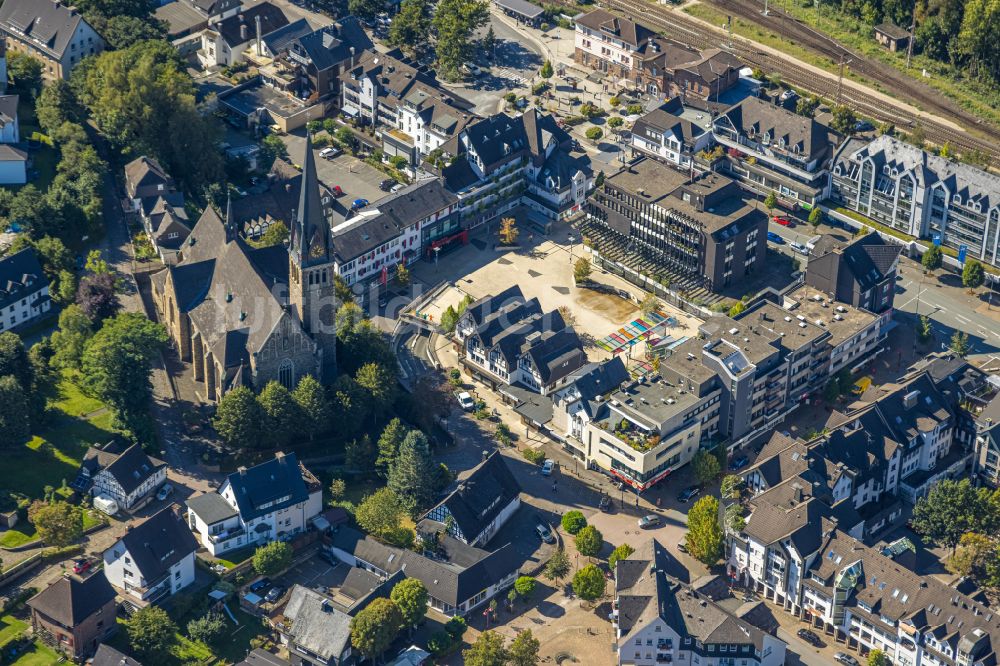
{"x":357,"y":179}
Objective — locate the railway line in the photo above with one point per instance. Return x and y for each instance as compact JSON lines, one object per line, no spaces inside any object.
{"x":683,"y":29}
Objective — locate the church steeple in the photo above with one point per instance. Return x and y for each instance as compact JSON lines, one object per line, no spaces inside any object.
{"x":229,"y":222}
{"x":309,"y":231}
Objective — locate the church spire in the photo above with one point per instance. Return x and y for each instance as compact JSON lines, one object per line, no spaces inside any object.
{"x":310,"y":225}
{"x":229,"y":222}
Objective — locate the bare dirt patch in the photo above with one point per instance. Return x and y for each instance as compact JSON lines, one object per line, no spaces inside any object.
{"x":609,"y":306}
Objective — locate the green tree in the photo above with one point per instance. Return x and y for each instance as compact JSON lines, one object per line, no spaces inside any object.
{"x":978,"y":40}
{"x":581,"y":270}
{"x":347,"y":401}
{"x":56,"y":104}
{"x":121,"y":32}
{"x":25,"y":71}
{"x":151,"y":632}
{"x":925,"y":330}
{"x":735,"y":522}
{"x":412,"y":474}
{"x":378,"y":381}
{"x":546,"y":71}
{"x":14,"y":359}
{"x":771,"y":201}
{"x":523,"y":650}
{"x":360,"y":454}
{"x":380,"y":513}
{"x":411,"y":27}
{"x":58,"y":523}
{"x":738,"y":308}
{"x":208,"y":628}
{"x":116,"y":369}
{"x":589,"y":541}
{"x":411,"y":597}
{"x":488,"y":650}
{"x":558,"y":566}
{"x":375,"y":628}
{"x":705,"y":540}
{"x":338,"y":488}
{"x":732,"y":487}
{"x":649,"y":304}
{"x":806,"y":106}
{"x":878,"y":658}
{"x":960,"y":343}
{"x":706,"y":466}
{"x":312,"y":405}
{"x":973,"y":275}
{"x":843,"y":119}
{"x":524,"y":586}
{"x":973,"y":556}
{"x":622,"y":552}
{"x":573,"y":521}
{"x":454,"y":23}
{"x":816,"y":216}
{"x":614,"y":122}
{"x":449,"y":319}
{"x":15,"y":422}
{"x":280,"y":414}
{"x":932,"y":258}
{"x":239,"y":419}
{"x":588,"y":583}
{"x":950,"y":509}
{"x":272,"y":558}
{"x":832,"y":390}
{"x":594,"y":133}
{"x":388,"y":445}
{"x":70,"y":339}
{"x":277,"y":234}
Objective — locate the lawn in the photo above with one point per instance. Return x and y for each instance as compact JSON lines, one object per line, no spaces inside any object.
{"x":53,"y":455}
{"x":10,"y":628}
{"x":22,"y":534}
{"x":237,"y":556}
{"x":43,"y":159}
{"x":39,"y":655}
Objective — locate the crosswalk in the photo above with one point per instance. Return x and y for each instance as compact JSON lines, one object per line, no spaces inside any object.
{"x":509,"y":74}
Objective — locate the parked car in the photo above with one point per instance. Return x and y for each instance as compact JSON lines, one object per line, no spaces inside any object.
{"x":260,"y":585}
{"x":328,"y":557}
{"x":336,"y":191}
{"x":783,"y":221}
{"x":386,"y":184}
{"x":649,"y":522}
{"x":397,"y":187}
{"x":465,"y":401}
{"x":330,"y":152}
{"x":359,"y":203}
{"x":681,"y":547}
{"x":798,"y":247}
{"x":548,"y":466}
{"x":739,"y":463}
{"x":809,"y":637}
{"x":605,"y":504}
{"x":274,"y":594}
{"x":544,"y":533}
{"x":788,"y":95}
{"x":688,"y":494}
{"x":863,"y":126}
{"x":82,"y":566}
{"x":165,"y":491}
{"x":775,"y":238}
{"x":845,"y":658}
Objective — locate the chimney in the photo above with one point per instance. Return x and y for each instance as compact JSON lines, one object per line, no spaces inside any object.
{"x":797,"y":493}
{"x":910,"y":399}
{"x":260,"y":51}
{"x":352,"y":57}
{"x":243,"y":32}
{"x":279,"y":456}
{"x":242,"y":470}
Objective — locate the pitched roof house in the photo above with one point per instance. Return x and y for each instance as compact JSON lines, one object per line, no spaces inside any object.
{"x":153,"y":560}
{"x":75,"y":614}
{"x":861,"y":273}
{"x":271,"y":500}
{"x":108,"y":656}
{"x":10,"y":131}
{"x":223,"y":42}
{"x":50,"y":31}
{"x":314,"y":629}
{"x":123,"y":473}
{"x":24,"y":289}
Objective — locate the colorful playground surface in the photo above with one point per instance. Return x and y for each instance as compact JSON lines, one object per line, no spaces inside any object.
{"x":651,"y":327}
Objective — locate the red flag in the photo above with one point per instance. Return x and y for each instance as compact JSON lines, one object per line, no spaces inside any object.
{"x":385,"y":275}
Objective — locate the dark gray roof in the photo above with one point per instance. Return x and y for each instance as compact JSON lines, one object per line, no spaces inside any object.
{"x":315,"y":625}
{"x":528,"y":10}
{"x":9,"y":153}
{"x":598,"y":380}
{"x":870,"y":259}
{"x":20,"y":276}
{"x":277,"y":40}
{"x":801,"y":132}
{"x":108,"y":656}
{"x":144,"y":171}
{"x":133,"y":467}
{"x":8,"y":109}
{"x":661,"y":121}
{"x":481,"y":497}
{"x":271,"y":18}
{"x":158,"y":543}
{"x":211,"y":508}
{"x":497,"y":138}
{"x":633,"y":34}
{"x":331,"y":45}
{"x":71,"y":600}
{"x":47,"y":24}
{"x":269,"y":481}
{"x":892,"y":30}
{"x":261,"y":657}
{"x":310,"y":232}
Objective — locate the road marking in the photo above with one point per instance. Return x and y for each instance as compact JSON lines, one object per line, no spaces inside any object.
{"x":962,"y":319}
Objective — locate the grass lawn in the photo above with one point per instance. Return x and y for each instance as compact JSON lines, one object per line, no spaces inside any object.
{"x":19,"y":536}
{"x":54,"y":454}
{"x":43,"y":159}
{"x":10,"y":628}
{"x":232,"y":558}
{"x":39,"y":655}
{"x":92,"y":518}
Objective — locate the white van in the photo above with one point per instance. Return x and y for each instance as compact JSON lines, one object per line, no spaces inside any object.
{"x":105,"y":504}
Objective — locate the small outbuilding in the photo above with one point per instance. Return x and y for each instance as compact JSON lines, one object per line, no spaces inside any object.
{"x":892,"y":36}
{"x":522,"y":10}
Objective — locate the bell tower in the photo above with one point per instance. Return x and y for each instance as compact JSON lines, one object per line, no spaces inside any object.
{"x":310,"y":268}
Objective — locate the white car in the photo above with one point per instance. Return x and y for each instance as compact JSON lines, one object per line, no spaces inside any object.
{"x":329,"y":152}
{"x":466,"y":402}
{"x":548,"y":466}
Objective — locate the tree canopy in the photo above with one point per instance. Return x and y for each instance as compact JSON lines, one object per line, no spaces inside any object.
{"x":411,"y":597}
{"x":589,"y":582}
{"x":272,"y":558}
{"x":454,"y":23}
{"x":375,"y":627}
{"x":705,"y":539}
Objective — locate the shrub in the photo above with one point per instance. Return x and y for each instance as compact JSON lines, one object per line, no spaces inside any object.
{"x":439,"y":642}
{"x":573,"y":521}
{"x":634,"y":109}
{"x":524,"y":586}
{"x":535,"y":456}
{"x":594,"y":133}
{"x":456,"y":627}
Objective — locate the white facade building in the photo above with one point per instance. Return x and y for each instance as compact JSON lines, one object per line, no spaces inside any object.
{"x":24,"y":289}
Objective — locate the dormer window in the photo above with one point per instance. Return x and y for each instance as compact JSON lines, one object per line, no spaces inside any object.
{"x":766,"y":138}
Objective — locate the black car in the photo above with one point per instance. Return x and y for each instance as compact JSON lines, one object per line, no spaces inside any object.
{"x":386,"y":184}
{"x":328,"y":557}
{"x":688,"y":494}
{"x":809,"y":637}
{"x":274,"y":594}
{"x":739,"y":463}
{"x":605,"y":504}
{"x":260,"y":585}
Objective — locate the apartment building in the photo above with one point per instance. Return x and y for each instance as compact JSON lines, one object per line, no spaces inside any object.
{"x":24,"y":289}
{"x":664,"y":133}
{"x":987,"y":457}
{"x":697,"y":230}
{"x":510,"y":343}
{"x":273,"y":500}
{"x":51,"y":31}
{"x":609,"y":43}
{"x":394,"y":231}
{"x":412,"y":114}
{"x":771,"y":149}
{"x":223,"y":42}
{"x":920,"y":194}
{"x":659,"y":620}
{"x":861,"y":273}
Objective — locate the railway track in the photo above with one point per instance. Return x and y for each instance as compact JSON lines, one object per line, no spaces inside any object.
{"x":676,"y":26}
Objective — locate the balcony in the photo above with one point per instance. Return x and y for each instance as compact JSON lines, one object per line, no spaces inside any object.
{"x":227,"y":535}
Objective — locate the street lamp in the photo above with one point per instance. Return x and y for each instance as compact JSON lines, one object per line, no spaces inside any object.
{"x":571,"y":240}
{"x":437,"y":251}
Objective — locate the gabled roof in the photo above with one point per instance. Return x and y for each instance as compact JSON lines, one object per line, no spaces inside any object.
{"x":315,"y":625}
{"x":661,"y":121}
{"x":20,"y":276}
{"x":633,"y":34}
{"x":108,"y":656}
{"x":261,"y":657}
{"x":594,"y":381}
{"x":277,"y":40}
{"x":497,"y":138}
{"x":869,"y":258}
{"x":158,"y":543}
{"x":71,"y":600}
{"x":268,"y":487}
{"x":144,"y":171}
{"x":481,"y":497}
{"x":331,"y":45}
{"x":271,"y":18}
{"x":8,"y":109}
{"x":46,"y":24}
{"x":133,"y":467}
{"x":211,"y":507}
{"x":757,"y":117}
